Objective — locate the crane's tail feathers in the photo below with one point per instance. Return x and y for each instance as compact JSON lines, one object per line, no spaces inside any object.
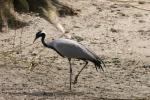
{"x":102,"y":62}
{"x":98,"y":64}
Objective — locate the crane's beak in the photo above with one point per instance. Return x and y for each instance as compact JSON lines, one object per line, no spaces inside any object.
{"x":34,"y":40}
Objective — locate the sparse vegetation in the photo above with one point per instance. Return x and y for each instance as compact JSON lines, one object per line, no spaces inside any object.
{"x":48,"y":9}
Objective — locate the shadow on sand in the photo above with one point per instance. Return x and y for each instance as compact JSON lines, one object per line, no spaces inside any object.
{"x":43,"y":93}
{"x":63,"y":94}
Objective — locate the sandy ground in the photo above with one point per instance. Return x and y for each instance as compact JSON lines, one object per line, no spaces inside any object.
{"x":117,"y":31}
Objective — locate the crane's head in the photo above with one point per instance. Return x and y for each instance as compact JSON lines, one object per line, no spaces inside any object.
{"x":39,"y":34}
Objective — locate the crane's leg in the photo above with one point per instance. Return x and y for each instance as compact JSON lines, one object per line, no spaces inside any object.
{"x":76,"y":78}
{"x":70,"y":72}
{"x":96,"y":68}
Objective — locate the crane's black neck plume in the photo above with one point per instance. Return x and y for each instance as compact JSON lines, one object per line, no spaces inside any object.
{"x":43,"y":35}
{"x":43,"y":39}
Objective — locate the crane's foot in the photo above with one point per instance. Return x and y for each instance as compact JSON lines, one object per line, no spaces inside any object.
{"x":75,"y":80}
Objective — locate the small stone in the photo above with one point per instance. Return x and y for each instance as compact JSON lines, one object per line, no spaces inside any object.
{"x":58,"y":68}
{"x":113,"y":6}
{"x":33,"y":54}
{"x":141,"y":21}
{"x":97,"y":26}
{"x":141,"y":2}
{"x":113,"y":30}
{"x":138,"y":15}
{"x":121,"y":14}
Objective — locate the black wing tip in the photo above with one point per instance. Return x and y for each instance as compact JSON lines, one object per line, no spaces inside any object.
{"x":99,"y":64}
{"x":103,"y":63}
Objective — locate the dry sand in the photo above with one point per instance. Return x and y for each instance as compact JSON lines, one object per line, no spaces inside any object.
{"x":117,"y":31}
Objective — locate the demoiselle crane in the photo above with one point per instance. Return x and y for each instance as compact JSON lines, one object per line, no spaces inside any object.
{"x":71,"y":49}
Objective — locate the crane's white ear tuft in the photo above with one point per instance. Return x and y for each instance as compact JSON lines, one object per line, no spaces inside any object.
{"x":41,"y":30}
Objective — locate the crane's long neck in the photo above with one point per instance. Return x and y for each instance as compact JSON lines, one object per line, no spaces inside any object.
{"x":43,"y":41}
{"x":49,"y":45}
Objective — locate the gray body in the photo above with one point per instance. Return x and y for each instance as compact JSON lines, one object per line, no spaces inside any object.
{"x":71,"y":49}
